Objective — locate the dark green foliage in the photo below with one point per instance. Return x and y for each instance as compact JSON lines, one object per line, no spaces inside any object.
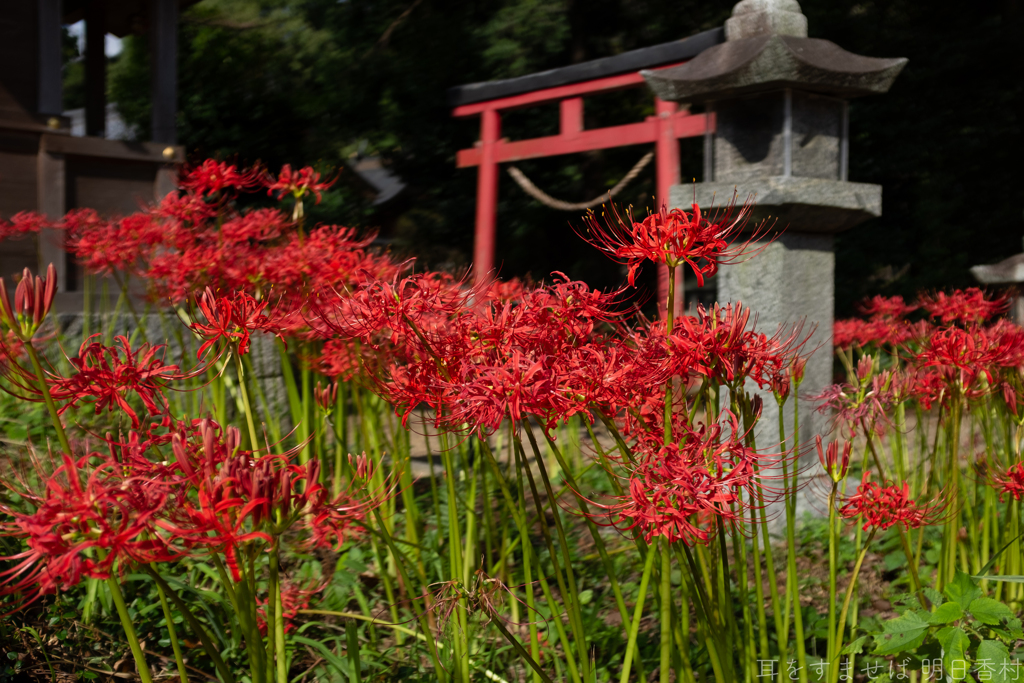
{"x":318,"y":80}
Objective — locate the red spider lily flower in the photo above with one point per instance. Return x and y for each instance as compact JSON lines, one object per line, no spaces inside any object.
{"x":962,"y":355}
{"x":887,"y":505}
{"x":970,"y":306}
{"x":262,"y":225}
{"x":672,"y":237}
{"x":677,"y":491}
{"x":294,"y":597}
{"x":116,"y":246}
{"x":33,"y":299}
{"x":868,"y":404}
{"x":229,"y":319}
{"x":879,"y":306}
{"x":298,"y":183}
{"x":835,"y":466}
{"x":216,"y":521}
{"x":105,"y":375}
{"x":344,"y":359}
{"x":212,"y":177}
{"x":23,"y":223}
{"x":72,"y":519}
{"x":1011,"y":482}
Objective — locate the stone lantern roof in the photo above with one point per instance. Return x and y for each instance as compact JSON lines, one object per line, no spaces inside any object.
{"x":767,"y":48}
{"x":1007,"y":271}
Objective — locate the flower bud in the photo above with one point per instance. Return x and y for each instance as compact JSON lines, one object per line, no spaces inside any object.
{"x":33,"y":299}
{"x":864,"y":368}
{"x":797,"y":370}
{"x":833,"y":465}
{"x":326,"y":398}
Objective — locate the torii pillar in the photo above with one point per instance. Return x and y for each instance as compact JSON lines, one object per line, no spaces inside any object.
{"x":780,"y":103}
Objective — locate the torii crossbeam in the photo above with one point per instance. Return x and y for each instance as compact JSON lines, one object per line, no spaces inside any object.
{"x":568,"y":86}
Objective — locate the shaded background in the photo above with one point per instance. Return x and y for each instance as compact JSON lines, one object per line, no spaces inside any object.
{"x":333,"y":82}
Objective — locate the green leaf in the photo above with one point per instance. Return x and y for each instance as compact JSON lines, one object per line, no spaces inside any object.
{"x":993,"y":662}
{"x":989,"y":611}
{"x":1009,"y":578}
{"x":1011,"y":630}
{"x":954,"y":642}
{"x":856,"y":647}
{"x":962,"y":589}
{"x":905,"y":632}
{"x":934,"y":596}
{"x":946,"y":613}
{"x":339,"y":664}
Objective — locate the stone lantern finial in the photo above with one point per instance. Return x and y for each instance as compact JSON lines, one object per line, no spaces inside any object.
{"x":752,"y":18}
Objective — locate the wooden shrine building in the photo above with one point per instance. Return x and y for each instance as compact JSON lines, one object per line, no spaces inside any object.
{"x":42,"y":166}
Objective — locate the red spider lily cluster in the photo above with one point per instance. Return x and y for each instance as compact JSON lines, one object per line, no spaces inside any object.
{"x":479,"y":358}
{"x":198,"y":237}
{"x":680,"y":492}
{"x":958,"y":350}
{"x":881,"y":507}
{"x":105,"y":512}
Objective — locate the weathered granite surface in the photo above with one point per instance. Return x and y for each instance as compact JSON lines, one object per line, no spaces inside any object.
{"x":811,"y":205}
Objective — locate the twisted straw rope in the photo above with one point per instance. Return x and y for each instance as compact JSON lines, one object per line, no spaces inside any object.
{"x":557,"y":204}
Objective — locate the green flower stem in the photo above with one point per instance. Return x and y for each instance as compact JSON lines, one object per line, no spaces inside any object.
{"x":460,"y":637}
{"x":798,"y":617}
{"x":129,"y":631}
{"x":291,"y":388}
{"x":638,"y":613}
{"x":572,"y":596}
{"x":254,"y":439}
{"x":563,"y":638}
{"x":196,"y":627}
{"x":709,"y":630}
{"x":471,"y":532}
{"x":568,"y":598}
{"x":518,"y":647}
{"x":276,"y":647}
{"x":666,"y":610}
{"x":421,"y":615}
{"x":833,"y":548}
{"x":599,"y":543}
{"x":272,"y":421}
{"x":516,"y":511}
{"x":913,"y":566}
{"x":172,"y":634}
{"x":838,"y":646}
{"x":952,"y":531}
{"x":51,"y":407}
{"x":762,"y":620}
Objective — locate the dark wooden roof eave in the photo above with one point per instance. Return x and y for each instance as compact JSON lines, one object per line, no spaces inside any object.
{"x":634,"y":60}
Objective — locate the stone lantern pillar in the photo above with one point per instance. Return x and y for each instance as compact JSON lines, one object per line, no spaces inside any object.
{"x":779,"y":102}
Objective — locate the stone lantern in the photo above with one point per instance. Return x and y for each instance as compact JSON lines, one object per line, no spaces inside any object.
{"x":779,"y":103}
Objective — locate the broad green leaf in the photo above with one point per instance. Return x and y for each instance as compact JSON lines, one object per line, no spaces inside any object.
{"x":962,"y":589}
{"x":946,"y":613}
{"x":954,"y":642}
{"x":989,"y":611}
{"x":905,"y":632}
{"x":934,"y":596}
{"x":993,"y":662}
{"x":856,"y":647}
{"x":1011,"y":630}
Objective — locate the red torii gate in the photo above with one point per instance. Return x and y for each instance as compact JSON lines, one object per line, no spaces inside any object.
{"x":568,"y":86}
